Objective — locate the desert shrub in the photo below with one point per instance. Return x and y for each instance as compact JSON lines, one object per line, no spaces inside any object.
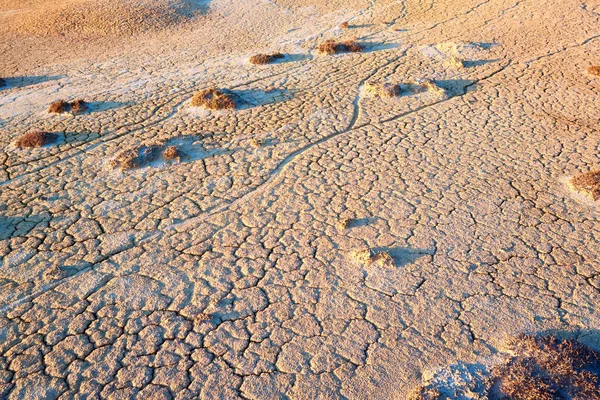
{"x":544,"y":367}
{"x":78,"y":106}
{"x":262,"y":59}
{"x":74,"y":107}
{"x":594,"y":70}
{"x":58,"y":107}
{"x":213,"y":99}
{"x":587,"y":183}
{"x":344,"y":25}
{"x":126,"y":160}
{"x":455,"y":62}
{"x":375,"y":89}
{"x":330,"y":46}
{"x":35,"y":139}
{"x":171,"y":153}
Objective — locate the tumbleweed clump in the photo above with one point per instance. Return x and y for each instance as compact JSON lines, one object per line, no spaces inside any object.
{"x":544,"y":367}
{"x":594,"y":70}
{"x":587,"y":184}
{"x":171,"y":153}
{"x":376,"y":89}
{"x":74,"y":107}
{"x":78,"y":106}
{"x":35,"y":139}
{"x":262,"y":59}
{"x":344,"y":25}
{"x":126,"y":160}
{"x":213,"y":99}
{"x":532,"y":367}
{"x":58,"y":107}
{"x":330,"y":46}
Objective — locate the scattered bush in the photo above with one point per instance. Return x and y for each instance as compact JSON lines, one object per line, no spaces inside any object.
{"x":544,"y":367}
{"x":426,"y":85}
{"x":74,"y":107}
{"x":78,"y":106}
{"x":171,"y":153}
{"x":262,"y":59}
{"x":344,"y":25}
{"x":126,"y":160}
{"x":455,"y":62}
{"x":587,"y":183}
{"x":594,"y":70}
{"x":383,"y":259}
{"x":330,"y":47}
{"x":213,"y":99}
{"x":35,"y":139}
{"x":343,"y":223}
{"x":203,"y":317}
{"x":58,"y":107}
{"x":374,"y":89}
{"x":532,"y":368}
{"x":425,"y":393}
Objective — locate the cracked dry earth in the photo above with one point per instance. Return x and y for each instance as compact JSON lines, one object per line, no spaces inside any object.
{"x":227,"y":274}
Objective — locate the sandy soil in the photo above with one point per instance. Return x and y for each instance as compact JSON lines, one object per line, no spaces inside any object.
{"x":242,"y":270}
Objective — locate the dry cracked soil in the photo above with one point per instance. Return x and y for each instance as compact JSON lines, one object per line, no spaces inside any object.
{"x":247,"y":267}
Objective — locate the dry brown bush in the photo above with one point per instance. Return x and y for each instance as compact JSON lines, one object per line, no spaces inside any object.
{"x":262,"y":59}
{"x":58,"y":107}
{"x":544,"y":367}
{"x":344,"y":25}
{"x":126,"y":160}
{"x":587,"y":183}
{"x":213,"y":99}
{"x":35,"y":139}
{"x":330,"y":46}
{"x":78,"y":106}
{"x":171,"y":153}
{"x":74,"y":107}
{"x":594,"y":70}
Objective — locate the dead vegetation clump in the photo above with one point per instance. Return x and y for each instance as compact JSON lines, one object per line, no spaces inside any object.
{"x":126,"y":160}
{"x":262,"y":59}
{"x":74,"y":107}
{"x":213,"y":99}
{"x":344,"y":25}
{"x":594,"y":70}
{"x":587,"y":183}
{"x":78,"y":106}
{"x":365,"y":256}
{"x":426,"y":85}
{"x":375,"y":89}
{"x":455,"y":62}
{"x":330,"y":46}
{"x":35,"y":139}
{"x":343,"y":223}
{"x":203,"y":317}
{"x":58,"y":107}
{"x":171,"y":153}
{"x":544,"y":367}
{"x":424,"y":393}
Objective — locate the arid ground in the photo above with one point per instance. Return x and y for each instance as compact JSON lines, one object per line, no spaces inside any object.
{"x":317,"y":242}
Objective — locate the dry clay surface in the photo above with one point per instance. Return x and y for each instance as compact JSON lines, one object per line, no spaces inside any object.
{"x":227,"y":273}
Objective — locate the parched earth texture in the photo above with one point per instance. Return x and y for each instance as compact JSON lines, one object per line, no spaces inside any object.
{"x":229,"y":274}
